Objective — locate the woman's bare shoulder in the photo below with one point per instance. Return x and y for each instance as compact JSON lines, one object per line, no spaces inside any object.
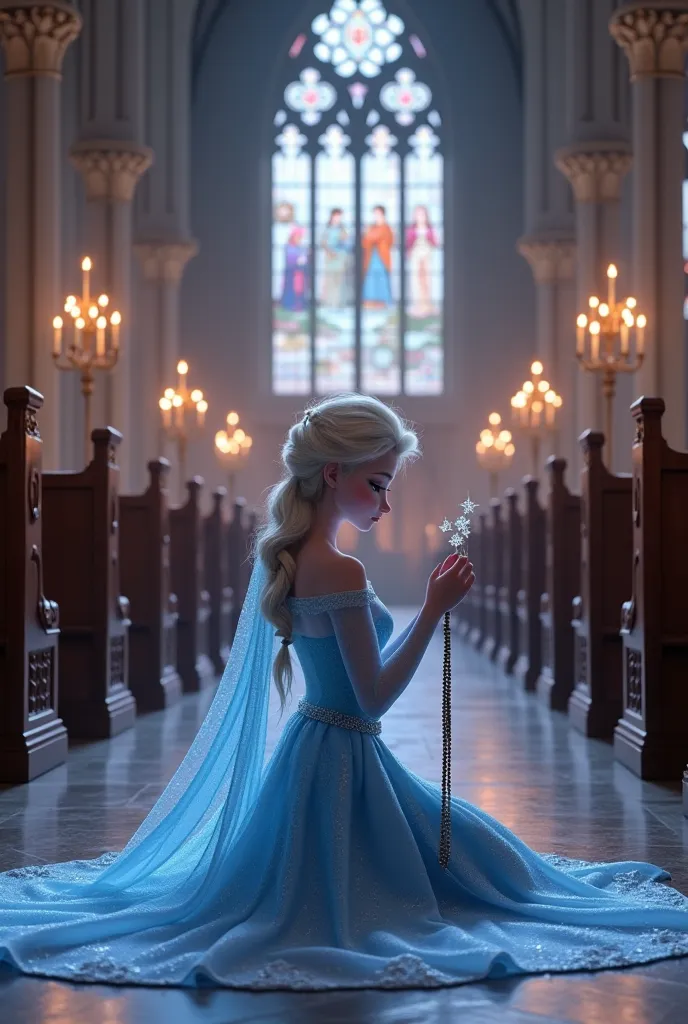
{"x":320,"y":570}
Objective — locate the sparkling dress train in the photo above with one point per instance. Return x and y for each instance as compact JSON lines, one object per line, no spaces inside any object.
{"x":320,"y":869}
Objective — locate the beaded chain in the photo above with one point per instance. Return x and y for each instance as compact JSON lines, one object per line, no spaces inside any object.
{"x":445,"y":820}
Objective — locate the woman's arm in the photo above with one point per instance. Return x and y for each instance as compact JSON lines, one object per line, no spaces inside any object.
{"x":378,"y":682}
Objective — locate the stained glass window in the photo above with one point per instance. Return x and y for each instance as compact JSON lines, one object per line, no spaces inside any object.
{"x":357,"y":201}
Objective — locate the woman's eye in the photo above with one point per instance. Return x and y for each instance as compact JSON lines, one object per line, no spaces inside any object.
{"x":376,"y":487}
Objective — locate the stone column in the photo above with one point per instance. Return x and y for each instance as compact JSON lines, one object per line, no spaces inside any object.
{"x":110,"y":170}
{"x":111,"y":157}
{"x":164,"y":242}
{"x":552,"y":261}
{"x":654,"y":36}
{"x":549,"y":243}
{"x":34,"y":39}
{"x":163,"y":265}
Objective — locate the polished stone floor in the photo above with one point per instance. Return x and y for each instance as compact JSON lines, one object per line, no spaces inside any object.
{"x":558,"y":791}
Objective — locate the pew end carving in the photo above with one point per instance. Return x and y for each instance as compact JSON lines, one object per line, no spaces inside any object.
{"x":562,"y":581}
{"x":81,"y":565}
{"x":493,"y":580}
{"x":145,"y":578}
{"x":508,"y":596}
{"x":33,"y":737}
{"x":478,"y":632}
{"x":651,"y":737}
{"x":193,"y":603}
{"x":605,"y":582}
{"x":528,"y":663}
{"x":220,"y":593}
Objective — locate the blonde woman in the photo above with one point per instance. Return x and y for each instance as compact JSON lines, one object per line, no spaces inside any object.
{"x":320,"y":869}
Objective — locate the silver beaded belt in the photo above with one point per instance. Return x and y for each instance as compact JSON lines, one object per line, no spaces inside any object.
{"x":331,"y":717}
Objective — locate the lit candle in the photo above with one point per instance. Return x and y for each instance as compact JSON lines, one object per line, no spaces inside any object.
{"x":612,"y":273}
{"x":182,"y":370}
{"x":166,"y":408}
{"x":86,"y":267}
{"x":624,"y":338}
{"x":115,"y":321}
{"x":57,"y":335}
{"x":201,"y":409}
{"x":594,"y":341}
{"x":581,"y":324}
{"x":640,"y":324}
{"x":101,"y":324}
{"x":178,"y":403}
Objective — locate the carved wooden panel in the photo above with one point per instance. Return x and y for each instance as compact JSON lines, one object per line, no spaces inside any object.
{"x":41,"y":680}
{"x":634,"y":685}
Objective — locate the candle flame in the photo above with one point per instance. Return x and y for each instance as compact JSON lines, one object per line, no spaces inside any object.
{"x":182,"y":367}
{"x":536,"y":368}
{"x":86,"y":263}
{"x":612,"y":271}
{"x":57,"y":323}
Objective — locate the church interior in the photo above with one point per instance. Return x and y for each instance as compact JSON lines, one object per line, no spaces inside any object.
{"x":214,"y":212}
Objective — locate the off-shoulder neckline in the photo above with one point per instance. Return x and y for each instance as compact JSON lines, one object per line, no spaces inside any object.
{"x":334,"y":593}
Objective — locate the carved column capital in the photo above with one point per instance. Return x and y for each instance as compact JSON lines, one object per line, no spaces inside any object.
{"x":35,"y":37}
{"x":654,"y":36}
{"x":111,"y":168}
{"x":165,"y":261}
{"x":595,"y":169}
{"x":550,"y":259}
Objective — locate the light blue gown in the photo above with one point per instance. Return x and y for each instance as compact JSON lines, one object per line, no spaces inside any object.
{"x":325,"y":874}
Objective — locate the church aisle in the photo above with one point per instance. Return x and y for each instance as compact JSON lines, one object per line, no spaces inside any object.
{"x":513,"y":758}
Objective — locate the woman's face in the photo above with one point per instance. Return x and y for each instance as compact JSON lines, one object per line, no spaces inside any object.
{"x":421,"y":217}
{"x":362,"y":495}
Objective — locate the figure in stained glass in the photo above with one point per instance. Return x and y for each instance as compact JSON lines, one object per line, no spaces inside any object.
{"x":377,"y":245}
{"x":336,"y":275}
{"x":421,"y":241}
{"x":296,"y":278}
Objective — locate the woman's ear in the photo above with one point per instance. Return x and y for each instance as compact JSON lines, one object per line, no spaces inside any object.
{"x":331,"y":473}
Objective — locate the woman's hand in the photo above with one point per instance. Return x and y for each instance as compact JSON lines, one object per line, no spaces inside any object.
{"x":448,"y":584}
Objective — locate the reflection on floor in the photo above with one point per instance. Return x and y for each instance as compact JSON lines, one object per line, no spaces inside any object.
{"x":558,"y":791}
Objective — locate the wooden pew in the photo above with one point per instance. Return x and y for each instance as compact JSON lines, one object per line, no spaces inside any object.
{"x":145,"y":578}
{"x":237,"y":547}
{"x":529,"y":661}
{"x":606,"y":558}
{"x":193,"y":605}
{"x":477,"y":595}
{"x":562,"y":580}
{"x":217,"y":582}
{"x":651,"y":737}
{"x":33,"y":738}
{"x":81,"y":567}
{"x":508,"y":595}
{"x":494,"y":581}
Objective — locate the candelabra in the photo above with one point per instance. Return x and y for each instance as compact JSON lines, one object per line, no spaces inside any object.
{"x":534,"y":411}
{"x":603,"y":345}
{"x":232,"y":450}
{"x":495,"y":450}
{"x":94,"y":343}
{"x":177,"y":426}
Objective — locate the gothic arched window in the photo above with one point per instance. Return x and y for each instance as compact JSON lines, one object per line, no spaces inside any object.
{"x":357,"y":211}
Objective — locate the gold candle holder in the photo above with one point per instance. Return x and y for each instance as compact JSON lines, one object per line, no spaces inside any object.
{"x":534,"y":410}
{"x":232,"y":450}
{"x":495,"y":450}
{"x":604,"y":345}
{"x":177,"y":425}
{"x":91,"y":342}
